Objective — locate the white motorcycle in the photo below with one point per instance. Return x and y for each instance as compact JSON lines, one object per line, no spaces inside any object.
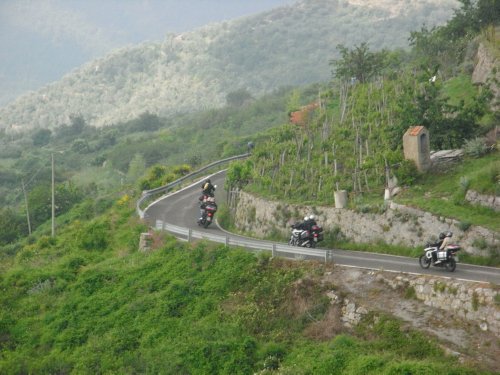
{"x":446,"y":258}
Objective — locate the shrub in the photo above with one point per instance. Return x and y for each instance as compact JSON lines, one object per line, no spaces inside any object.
{"x":407,"y":172}
{"x":410,"y":293}
{"x":94,"y":236}
{"x":475,"y":147}
{"x":464,"y":225}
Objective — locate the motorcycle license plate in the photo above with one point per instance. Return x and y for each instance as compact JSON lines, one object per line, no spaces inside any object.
{"x":209,"y":218}
{"x":456,"y":258}
{"x":315,"y":239}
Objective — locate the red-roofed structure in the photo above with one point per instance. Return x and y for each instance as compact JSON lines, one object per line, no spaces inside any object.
{"x":301,"y":116}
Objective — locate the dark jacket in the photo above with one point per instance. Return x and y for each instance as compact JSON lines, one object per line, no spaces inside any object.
{"x":208,"y":189}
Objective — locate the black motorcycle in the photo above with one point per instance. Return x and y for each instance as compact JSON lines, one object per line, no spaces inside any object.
{"x":304,"y":238}
{"x":445,"y":258}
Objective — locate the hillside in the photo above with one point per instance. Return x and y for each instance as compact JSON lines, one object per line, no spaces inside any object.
{"x":89,"y":302}
{"x":198,"y":70}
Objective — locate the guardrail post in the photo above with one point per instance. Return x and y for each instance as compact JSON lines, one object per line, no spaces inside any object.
{"x":190,"y":235}
{"x":274,"y":250}
{"x":163,"y":226}
{"x":227,"y":241}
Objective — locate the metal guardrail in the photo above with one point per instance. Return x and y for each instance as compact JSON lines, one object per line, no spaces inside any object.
{"x":276,"y":249}
{"x":148,"y":193}
{"x":188,"y":234}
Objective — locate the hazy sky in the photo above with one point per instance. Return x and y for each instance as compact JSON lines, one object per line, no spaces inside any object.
{"x":41,"y":40}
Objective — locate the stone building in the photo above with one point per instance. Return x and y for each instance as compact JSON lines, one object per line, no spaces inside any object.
{"x":416,"y":147}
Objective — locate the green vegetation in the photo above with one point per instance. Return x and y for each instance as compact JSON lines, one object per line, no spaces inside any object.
{"x":146,"y":152}
{"x":88,"y":302}
{"x":443,"y":193}
{"x":352,"y":139}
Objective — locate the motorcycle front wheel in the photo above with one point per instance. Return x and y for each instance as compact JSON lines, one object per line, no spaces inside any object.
{"x":451,"y":265}
{"x":424,"y":261}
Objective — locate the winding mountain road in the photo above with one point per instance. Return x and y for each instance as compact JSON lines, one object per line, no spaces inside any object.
{"x":181,"y":209}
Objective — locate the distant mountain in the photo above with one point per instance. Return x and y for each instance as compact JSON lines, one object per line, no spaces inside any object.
{"x":291,"y":45}
{"x":42,"y":40}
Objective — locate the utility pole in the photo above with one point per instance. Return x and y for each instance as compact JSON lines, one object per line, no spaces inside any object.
{"x":27,"y":210}
{"x":53,"y":199}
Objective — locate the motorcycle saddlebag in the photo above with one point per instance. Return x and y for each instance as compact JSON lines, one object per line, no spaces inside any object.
{"x":441,"y":255}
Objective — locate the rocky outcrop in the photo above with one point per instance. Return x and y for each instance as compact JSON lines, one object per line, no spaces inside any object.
{"x":487,"y":71}
{"x":395,"y":224}
{"x":489,"y":201}
{"x":469,"y":301}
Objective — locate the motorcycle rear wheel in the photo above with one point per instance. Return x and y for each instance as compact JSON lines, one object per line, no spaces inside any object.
{"x":424,"y":261}
{"x":451,"y":265}
{"x":206,"y":224}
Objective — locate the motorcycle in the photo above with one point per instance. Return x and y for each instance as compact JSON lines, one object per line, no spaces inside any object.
{"x":303,"y":238}
{"x":209,"y":208}
{"x":447,"y":258}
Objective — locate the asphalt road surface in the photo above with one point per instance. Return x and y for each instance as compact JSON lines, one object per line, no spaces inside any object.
{"x":181,"y":208}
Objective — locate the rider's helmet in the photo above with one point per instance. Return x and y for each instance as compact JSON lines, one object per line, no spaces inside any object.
{"x":442,"y":236}
{"x":306,"y":218}
{"x":311,"y":217}
{"x":449,"y":234}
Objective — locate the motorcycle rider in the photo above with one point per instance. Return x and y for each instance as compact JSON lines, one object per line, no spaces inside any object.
{"x":306,"y":225}
{"x":446,"y":241}
{"x":207,"y":194}
{"x":437,"y":245}
{"x":208,"y":201}
{"x":311,"y":221}
{"x":301,"y":226}
{"x":309,"y":224}
{"x":207,"y":188}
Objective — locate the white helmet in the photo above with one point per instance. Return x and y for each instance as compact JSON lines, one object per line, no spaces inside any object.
{"x":311,"y":217}
{"x":306,"y":218}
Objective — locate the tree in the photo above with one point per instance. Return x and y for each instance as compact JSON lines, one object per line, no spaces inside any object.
{"x":41,"y":137}
{"x":12,"y":225}
{"x":358,"y":63}
{"x":76,"y":127}
{"x":239,"y":173}
{"x":136,"y":168}
{"x":238,"y":98}
{"x":423,"y":103}
{"x":488,"y":13}
{"x":40,"y":201}
{"x":145,"y":122}
{"x":80,"y":146}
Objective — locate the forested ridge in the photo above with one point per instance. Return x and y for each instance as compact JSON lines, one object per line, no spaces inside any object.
{"x":194,"y":71}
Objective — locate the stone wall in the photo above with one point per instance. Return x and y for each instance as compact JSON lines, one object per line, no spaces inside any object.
{"x":470,"y":301}
{"x":398,"y":224}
